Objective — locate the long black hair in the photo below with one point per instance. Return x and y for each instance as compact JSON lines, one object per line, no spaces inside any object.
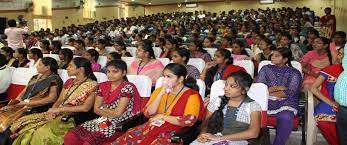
{"x":118,"y":64}
{"x":184,"y":53}
{"x":243,"y":50}
{"x":52,"y":63}
{"x":326,"y":42}
{"x":199,"y":45}
{"x":286,"y":53}
{"x":67,"y":53}
{"x":180,"y":71}
{"x":213,"y":70}
{"x":37,"y":52}
{"x":23,"y":52}
{"x":94,"y":54}
{"x":85,"y":63}
{"x":147,"y":46}
{"x":216,"y":121}
{"x":9,"y":51}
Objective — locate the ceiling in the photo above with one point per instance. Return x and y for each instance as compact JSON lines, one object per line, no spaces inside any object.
{"x":161,"y":2}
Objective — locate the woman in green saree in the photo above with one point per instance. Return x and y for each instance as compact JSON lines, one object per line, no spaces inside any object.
{"x":49,"y":128}
{"x":41,"y":92}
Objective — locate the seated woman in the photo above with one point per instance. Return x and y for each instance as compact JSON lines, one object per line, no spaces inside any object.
{"x":40,"y":93}
{"x":284,"y":83}
{"x":286,"y":41}
{"x":338,"y":41}
{"x":197,"y":51}
{"x":101,"y":44}
{"x":226,"y":42}
{"x":170,"y":45}
{"x":219,"y":68}
{"x":92,"y":55}
{"x":77,"y":96}
{"x":121,"y":48}
{"x":315,"y":60}
{"x":111,"y":56}
{"x":55,"y":47}
{"x":22,"y":60}
{"x":147,"y":64}
{"x":65,"y":56}
{"x":117,"y":101}
{"x":233,"y":118}
{"x":265,"y":45}
{"x":170,"y":108}
{"x":238,"y":52}
{"x":35,"y":55}
{"x":44,"y":46}
{"x":8,"y":52}
{"x":325,"y":113}
{"x":209,"y":42}
{"x":79,"y":48}
{"x":181,"y":56}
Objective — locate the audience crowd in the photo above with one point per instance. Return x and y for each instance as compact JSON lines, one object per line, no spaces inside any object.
{"x":81,"y":111}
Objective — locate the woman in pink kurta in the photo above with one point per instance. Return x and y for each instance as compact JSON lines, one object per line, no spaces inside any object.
{"x":315,"y":60}
{"x":146,"y":64}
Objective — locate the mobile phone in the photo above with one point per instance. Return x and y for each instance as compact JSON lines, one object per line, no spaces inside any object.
{"x":158,"y":123}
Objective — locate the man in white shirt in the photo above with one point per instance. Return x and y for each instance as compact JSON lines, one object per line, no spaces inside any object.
{"x":15,"y":35}
{"x":5,"y":77}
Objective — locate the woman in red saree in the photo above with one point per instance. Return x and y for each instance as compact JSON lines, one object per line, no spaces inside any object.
{"x":170,"y":108}
{"x":116,"y":102}
{"x":328,"y":23}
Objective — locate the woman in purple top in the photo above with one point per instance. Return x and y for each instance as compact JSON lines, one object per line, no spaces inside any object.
{"x":195,"y":47}
{"x":284,"y":84}
{"x":92,"y":55}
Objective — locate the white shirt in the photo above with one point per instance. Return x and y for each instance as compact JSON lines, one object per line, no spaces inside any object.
{"x":15,"y":36}
{"x":5,"y":78}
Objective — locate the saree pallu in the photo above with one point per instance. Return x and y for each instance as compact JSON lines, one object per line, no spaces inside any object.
{"x":37,"y":89}
{"x":96,"y":133}
{"x":148,"y":134}
{"x":37,"y":129}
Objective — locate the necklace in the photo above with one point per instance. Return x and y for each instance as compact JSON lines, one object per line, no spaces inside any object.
{"x":139,"y":69}
{"x":167,"y":98}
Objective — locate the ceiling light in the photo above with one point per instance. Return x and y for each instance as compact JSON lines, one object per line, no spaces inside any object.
{"x":149,"y":3}
{"x":132,"y":0}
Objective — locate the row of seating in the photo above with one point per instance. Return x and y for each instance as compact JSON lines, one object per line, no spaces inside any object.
{"x":197,"y":62}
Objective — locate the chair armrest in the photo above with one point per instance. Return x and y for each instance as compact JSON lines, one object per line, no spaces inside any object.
{"x":132,"y":122}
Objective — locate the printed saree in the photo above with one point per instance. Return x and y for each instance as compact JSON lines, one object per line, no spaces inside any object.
{"x":38,"y":88}
{"x":38,"y":129}
{"x":95,"y":132}
{"x":186,"y":108}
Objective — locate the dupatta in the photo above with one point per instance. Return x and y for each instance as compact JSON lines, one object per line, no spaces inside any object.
{"x":111,"y":96}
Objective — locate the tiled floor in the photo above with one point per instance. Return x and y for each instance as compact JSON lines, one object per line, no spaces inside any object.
{"x":295,"y":138}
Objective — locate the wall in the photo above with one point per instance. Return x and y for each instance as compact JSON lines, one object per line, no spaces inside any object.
{"x":104,"y":13}
{"x":341,"y":14}
{"x":135,"y":11}
{"x":317,"y":5}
